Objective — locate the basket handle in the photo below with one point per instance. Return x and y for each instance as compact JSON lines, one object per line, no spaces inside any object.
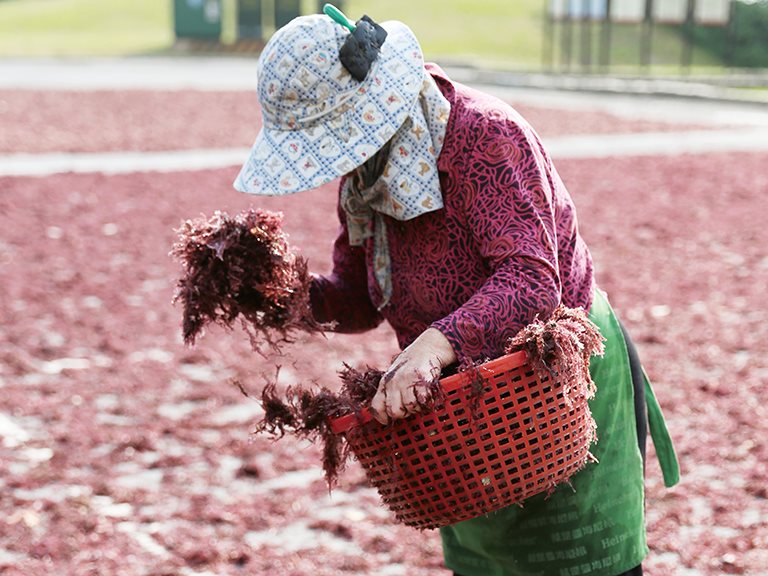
{"x":449,"y":384}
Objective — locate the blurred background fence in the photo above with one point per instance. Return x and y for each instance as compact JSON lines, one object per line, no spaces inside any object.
{"x":586,"y":35}
{"x":658,"y":37}
{"x":595,"y":34}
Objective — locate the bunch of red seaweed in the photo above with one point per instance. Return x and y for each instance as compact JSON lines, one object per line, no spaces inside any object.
{"x":242,"y":267}
{"x":307,"y":413}
{"x":562,"y":345}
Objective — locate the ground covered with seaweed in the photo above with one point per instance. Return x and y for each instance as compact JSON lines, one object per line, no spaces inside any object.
{"x":125,"y":452}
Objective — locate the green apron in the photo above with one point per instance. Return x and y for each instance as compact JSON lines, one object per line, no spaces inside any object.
{"x":596,"y":525}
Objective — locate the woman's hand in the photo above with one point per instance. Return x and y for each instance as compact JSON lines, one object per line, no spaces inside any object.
{"x":402,"y":390}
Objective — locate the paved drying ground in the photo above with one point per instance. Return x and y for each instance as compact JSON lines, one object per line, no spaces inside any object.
{"x":123,"y":452}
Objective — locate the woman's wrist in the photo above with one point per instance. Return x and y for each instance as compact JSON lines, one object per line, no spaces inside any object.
{"x":435,"y":341}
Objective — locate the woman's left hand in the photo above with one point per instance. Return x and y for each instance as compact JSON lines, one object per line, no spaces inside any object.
{"x":402,"y":389}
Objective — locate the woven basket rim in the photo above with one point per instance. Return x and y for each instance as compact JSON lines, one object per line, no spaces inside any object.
{"x":503,"y":363}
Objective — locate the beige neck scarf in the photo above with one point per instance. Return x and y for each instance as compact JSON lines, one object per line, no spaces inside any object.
{"x":400,"y":181}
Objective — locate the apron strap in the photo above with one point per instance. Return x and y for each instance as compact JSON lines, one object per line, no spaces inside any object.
{"x":665,"y":451}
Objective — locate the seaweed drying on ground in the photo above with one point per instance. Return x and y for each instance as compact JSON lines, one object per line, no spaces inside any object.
{"x":242,"y":267}
{"x":562,"y":345}
{"x":307,"y":412}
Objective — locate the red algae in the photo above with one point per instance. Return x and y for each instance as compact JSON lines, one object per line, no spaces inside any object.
{"x":241,"y":267}
{"x":563,"y":344}
{"x":308,"y":412}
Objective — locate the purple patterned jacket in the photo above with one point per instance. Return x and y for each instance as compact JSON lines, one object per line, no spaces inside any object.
{"x":504,"y":249}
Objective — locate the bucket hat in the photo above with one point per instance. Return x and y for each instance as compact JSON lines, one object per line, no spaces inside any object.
{"x":320,"y":123}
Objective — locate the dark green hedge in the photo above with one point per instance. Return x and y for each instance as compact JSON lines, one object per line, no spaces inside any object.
{"x":744,"y":43}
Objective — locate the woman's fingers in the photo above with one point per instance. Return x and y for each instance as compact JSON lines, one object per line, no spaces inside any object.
{"x":394,"y":406}
{"x":404,"y":388}
{"x":401,"y":401}
{"x":379,"y":405}
{"x":396,"y":396}
{"x":379,"y":402}
{"x":392,"y":401}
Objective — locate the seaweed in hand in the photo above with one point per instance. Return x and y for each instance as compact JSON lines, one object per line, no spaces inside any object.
{"x":307,"y":412}
{"x":360,"y":386}
{"x":242,"y":267}
{"x":562,"y":345}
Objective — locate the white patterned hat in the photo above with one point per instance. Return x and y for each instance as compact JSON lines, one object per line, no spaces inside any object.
{"x":319,"y":123}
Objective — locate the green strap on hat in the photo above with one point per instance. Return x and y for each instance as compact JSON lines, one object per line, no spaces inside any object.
{"x":338,"y":16}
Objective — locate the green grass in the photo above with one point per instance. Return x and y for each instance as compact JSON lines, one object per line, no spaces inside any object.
{"x":84,"y":27}
{"x":511,"y":34}
{"x":497,"y":33}
{"x":494,"y":32}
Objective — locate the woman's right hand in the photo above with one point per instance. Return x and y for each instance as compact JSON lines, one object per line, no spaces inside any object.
{"x":405,"y":388}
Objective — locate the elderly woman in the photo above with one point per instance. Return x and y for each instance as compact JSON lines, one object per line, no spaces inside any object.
{"x":457,"y":230}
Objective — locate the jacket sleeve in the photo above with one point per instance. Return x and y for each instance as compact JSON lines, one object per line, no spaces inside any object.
{"x":342,"y":297}
{"x":509,"y":205}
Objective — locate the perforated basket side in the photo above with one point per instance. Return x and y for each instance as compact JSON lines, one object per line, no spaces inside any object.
{"x":449,"y":465}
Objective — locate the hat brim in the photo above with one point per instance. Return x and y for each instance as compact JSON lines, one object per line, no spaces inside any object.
{"x":288,"y":161}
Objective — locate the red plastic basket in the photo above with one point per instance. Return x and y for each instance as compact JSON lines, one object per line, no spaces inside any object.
{"x":442,"y":467}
